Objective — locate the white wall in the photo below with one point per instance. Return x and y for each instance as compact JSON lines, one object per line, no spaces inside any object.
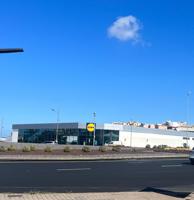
{"x":14,"y":135}
{"x":142,"y":139}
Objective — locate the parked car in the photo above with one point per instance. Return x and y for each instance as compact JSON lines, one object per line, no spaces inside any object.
{"x":114,"y":143}
{"x":191,"y":157}
{"x":50,"y":142}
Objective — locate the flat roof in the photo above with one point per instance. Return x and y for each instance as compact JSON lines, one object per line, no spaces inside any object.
{"x":45,"y":126}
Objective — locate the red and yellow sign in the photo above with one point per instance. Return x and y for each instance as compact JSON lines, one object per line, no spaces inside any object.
{"x":90,"y":127}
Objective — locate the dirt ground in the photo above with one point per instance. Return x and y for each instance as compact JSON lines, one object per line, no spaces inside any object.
{"x":80,"y":152}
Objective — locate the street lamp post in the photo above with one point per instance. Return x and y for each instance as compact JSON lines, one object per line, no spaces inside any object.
{"x":94,"y":135}
{"x":188,"y":114}
{"x":131,"y":135}
{"x":8,"y":50}
{"x":11,"y":50}
{"x":2,"y":127}
{"x":58,"y":119}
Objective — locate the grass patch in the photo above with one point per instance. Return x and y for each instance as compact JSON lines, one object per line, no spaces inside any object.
{"x":26,"y":149}
{"x":11,"y":148}
{"x":48,"y":149}
{"x":86,"y":149}
{"x":2,"y":149}
{"x":116,"y":149}
{"x":32,"y":148}
{"x":103,"y":149}
{"x":66,"y":149}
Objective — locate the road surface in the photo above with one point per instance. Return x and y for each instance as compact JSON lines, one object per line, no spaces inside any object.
{"x":96,"y":176}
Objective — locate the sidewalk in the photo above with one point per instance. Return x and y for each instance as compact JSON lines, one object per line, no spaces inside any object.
{"x":93,"y":157}
{"x":92,"y":196}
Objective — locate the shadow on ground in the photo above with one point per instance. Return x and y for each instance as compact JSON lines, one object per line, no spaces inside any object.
{"x":166,"y":192}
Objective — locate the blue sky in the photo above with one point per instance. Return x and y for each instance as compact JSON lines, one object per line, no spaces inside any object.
{"x":72,"y":62}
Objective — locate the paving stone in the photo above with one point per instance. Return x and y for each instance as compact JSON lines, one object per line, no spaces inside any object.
{"x":91,"y":196}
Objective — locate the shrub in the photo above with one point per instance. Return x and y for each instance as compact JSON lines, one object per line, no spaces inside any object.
{"x":48,"y":149}
{"x":32,"y":148}
{"x":148,"y":146}
{"x":162,"y":147}
{"x":116,"y":148}
{"x":134,"y":150}
{"x":2,"y":149}
{"x":155,"y":147}
{"x":102,"y":149}
{"x":86,"y":149}
{"x":67,"y":149}
{"x":26,"y":149}
{"x":185,"y":145}
{"x":11,"y":148}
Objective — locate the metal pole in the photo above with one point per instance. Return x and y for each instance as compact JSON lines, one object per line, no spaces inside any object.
{"x":58,"y":119}
{"x":1,"y":127}
{"x":57,"y":131}
{"x":11,"y":50}
{"x":94,"y":135}
{"x":188,"y":114}
{"x":131,"y":134}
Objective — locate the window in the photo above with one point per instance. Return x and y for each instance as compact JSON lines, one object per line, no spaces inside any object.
{"x":186,"y":138}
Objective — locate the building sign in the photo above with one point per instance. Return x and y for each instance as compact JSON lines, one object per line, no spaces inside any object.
{"x":90,"y":127}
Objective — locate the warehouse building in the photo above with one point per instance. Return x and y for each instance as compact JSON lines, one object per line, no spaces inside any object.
{"x":79,"y":133}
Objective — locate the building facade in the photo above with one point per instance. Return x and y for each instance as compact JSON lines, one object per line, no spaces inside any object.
{"x":66,"y":133}
{"x":77,"y":133}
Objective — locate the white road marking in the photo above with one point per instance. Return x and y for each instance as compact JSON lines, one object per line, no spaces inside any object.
{"x":74,"y":169}
{"x":136,"y":162}
{"x":171,"y":165}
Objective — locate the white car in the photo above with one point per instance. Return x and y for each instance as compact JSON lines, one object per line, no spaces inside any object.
{"x":191,"y":157}
{"x":50,"y":142}
{"x":114,"y":143}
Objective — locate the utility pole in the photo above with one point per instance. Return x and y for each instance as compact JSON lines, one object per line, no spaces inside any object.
{"x":58,"y":119}
{"x":2,"y":127}
{"x":188,"y":114}
{"x":94,"y":135}
{"x":131,"y":123}
{"x":2,"y":51}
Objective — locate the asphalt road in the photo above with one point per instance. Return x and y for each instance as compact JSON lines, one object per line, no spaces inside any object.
{"x":97,"y":176}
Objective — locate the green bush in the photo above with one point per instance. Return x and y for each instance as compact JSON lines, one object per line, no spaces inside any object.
{"x":134,"y":150}
{"x":155,"y":147}
{"x":102,"y":149}
{"x":48,"y":149}
{"x":116,"y":148}
{"x":32,"y":148}
{"x":148,"y":146}
{"x":86,"y":149}
{"x":67,"y":149}
{"x":2,"y":149}
{"x":11,"y":148}
{"x":26,"y":149}
{"x":185,"y":145}
{"x":162,"y":147}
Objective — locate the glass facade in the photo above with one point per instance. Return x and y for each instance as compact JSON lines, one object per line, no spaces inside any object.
{"x":67,"y":136}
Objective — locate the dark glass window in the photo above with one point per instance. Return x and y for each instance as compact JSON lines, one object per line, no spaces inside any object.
{"x":67,"y":136}
{"x":110,"y":135}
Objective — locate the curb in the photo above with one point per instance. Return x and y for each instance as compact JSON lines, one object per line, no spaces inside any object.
{"x":55,"y":158}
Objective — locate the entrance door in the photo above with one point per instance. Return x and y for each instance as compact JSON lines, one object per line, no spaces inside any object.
{"x":85,"y":139}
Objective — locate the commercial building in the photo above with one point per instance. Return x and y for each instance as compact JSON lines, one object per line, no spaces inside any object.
{"x":77,"y":133}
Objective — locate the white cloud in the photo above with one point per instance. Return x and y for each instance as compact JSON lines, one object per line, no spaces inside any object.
{"x":125,"y":28}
